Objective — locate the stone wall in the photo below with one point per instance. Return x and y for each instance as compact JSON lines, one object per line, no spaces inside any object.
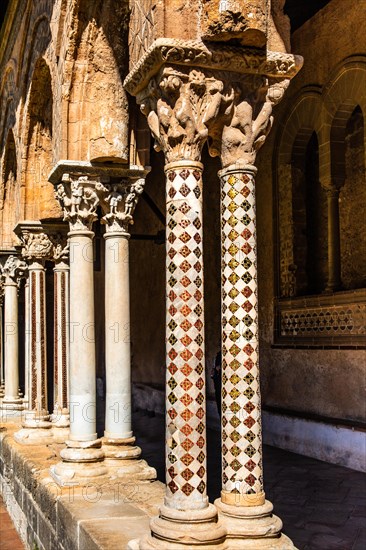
{"x":325,"y":382}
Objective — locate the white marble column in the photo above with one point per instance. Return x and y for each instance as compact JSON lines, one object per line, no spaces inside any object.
{"x":83,"y":456}
{"x":61,"y":350}
{"x":13,"y":270}
{"x":122,"y":455}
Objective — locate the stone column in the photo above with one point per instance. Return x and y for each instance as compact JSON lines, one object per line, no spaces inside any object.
{"x":243,"y":509}
{"x":334,"y":240}
{"x":2,"y":376}
{"x":37,"y":248}
{"x":122,"y":456}
{"x":13,"y":270}
{"x":82,"y":459}
{"x":61,"y":347}
{"x":26,"y":343}
{"x":178,"y":109}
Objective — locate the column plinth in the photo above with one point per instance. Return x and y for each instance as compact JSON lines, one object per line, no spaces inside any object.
{"x":243,"y":510}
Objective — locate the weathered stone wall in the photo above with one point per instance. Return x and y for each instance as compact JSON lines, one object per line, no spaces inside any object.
{"x":325,"y":382}
{"x":61,"y":96}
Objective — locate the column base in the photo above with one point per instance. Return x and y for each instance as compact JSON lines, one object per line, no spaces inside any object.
{"x":252,"y":527}
{"x":122,"y":458}
{"x":12,"y":404}
{"x":179,"y":529}
{"x":82,"y":461}
{"x":36,"y":429}
{"x":60,"y":435}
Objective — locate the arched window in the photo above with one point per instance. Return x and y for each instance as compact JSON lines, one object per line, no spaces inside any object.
{"x":352,"y":205}
{"x":309,"y":218}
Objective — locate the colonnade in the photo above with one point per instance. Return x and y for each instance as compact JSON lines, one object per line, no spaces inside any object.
{"x":185,"y":106}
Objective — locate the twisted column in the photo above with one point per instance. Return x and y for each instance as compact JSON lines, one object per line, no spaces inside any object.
{"x":13,"y":270}
{"x":83,"y":456}
{"x":122,"y":455}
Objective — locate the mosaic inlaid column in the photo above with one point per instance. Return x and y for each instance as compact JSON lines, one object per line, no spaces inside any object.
{"x":61,"y":347}
{"x":122,"y":456}
{"x":37,"y":248}
{"x":186,"y":518}
{"x":13,"y":270}
{"x":243,"y":509}
{"x":83,"y":456}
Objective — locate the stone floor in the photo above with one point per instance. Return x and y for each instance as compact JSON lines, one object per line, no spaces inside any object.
{"x":9,"y":538}
{"x":322,"y":506}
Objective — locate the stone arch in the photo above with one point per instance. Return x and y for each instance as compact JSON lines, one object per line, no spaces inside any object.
{"x":9,"y":193}
{"x":98,"y":104}
{"x":346,"y":89}
{"x":38,"y":200}
{"x":293,"y":138}
{"x":7,"y":107}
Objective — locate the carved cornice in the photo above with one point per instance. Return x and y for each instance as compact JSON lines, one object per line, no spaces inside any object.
{"x":13,"y":270}
{"x":276,"y":65}
{"x":119,"y":202}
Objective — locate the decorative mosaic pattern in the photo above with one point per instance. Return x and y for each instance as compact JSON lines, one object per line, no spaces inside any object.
{"x":186,"y":430}
{"x":241,"y":421}
{"x":325,"y":318}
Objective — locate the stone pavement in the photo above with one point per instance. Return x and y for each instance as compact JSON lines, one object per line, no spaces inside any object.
{"x":322,"y":506}
{"x":9,"y":538}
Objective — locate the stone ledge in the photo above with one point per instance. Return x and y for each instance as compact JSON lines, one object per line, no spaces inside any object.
{"x":97,"y":516}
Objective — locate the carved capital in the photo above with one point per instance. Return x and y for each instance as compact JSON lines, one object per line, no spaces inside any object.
{"x":14,"y":270}
{"x":79,"y":198}
{"x":119,"y":202}
{"x":180,"y":105}
{"x":60,"y":247}
{"x":36,"y":246}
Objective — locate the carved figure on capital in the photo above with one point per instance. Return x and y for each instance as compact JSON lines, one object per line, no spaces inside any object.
{"x":36,"y":246}
{"x":79,"y":199}
{"x":119,"y":204}
{"x":180,"y":105}
{"x":14,"y":270}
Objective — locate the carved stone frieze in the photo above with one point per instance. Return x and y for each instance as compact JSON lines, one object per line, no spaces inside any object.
{"x":119,"y":202}
{"x":191,"y":53}
{"x":79,"y":198}
{"x":13,"y":270}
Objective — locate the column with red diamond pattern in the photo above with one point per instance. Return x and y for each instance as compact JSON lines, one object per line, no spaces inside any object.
{"x":185,"y":430}
{"x":241,"y":402}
